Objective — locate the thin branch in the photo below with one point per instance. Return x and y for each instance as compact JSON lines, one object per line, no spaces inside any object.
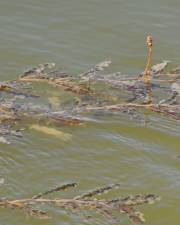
{"x":98,"y":191}
{"x":59,"y":188}
{"x":84,"y":202}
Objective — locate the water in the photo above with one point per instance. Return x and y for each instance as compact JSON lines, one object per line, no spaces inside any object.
{"x":76,"y":34}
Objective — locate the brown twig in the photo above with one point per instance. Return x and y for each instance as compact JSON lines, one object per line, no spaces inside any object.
{"x":129,"y":105}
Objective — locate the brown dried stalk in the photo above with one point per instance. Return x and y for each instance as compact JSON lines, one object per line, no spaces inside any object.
{"x":67,"y":82}
{"x":59,"y":188}
{"x":12,"y":111}
{"x":72,"y":87}
{"x":38,"y":71}
{"x":98,"y":191}
{"x":146,"y":71}
{"x":164,"y":109}
{"x":119,"y":107}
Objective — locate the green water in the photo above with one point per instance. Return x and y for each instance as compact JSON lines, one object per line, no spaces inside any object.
{"x":76,"y":34}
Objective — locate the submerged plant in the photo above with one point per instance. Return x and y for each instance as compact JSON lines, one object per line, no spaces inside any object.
{"x":88,"y":201}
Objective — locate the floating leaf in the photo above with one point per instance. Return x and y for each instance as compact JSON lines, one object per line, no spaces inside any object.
{"x":52,"y":131}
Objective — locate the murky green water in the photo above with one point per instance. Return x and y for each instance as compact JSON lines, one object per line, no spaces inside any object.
{"x":76,"y":34}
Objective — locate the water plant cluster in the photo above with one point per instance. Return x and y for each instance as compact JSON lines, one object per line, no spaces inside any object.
{"x":109,"y":209}
{"x":94,"y":92}
{"x":120,"y":94}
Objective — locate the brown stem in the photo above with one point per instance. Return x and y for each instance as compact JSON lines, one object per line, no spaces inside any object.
{"x":146,"y":71}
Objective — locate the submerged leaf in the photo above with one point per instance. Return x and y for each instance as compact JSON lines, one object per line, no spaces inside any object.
{"x":52,"y":131}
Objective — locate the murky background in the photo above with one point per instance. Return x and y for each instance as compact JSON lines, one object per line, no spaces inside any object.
{"x":76,"y":34}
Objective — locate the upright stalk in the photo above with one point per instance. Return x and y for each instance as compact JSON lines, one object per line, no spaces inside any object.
{"x":147,"y":68}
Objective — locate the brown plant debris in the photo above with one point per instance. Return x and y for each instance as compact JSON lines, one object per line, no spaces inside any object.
{"x":59,"y":188}
{"x":107,"y":208}
{"x":93,"y":92}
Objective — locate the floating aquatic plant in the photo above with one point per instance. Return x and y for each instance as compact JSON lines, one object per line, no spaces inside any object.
{"x":108,"y":208}
{"x":121,"y":93}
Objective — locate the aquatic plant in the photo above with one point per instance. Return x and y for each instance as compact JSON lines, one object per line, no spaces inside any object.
{"x":88,"y":201}
{"x":121,"y":93}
